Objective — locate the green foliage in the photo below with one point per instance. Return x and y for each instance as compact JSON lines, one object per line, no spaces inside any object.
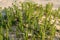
{"x":32,"y":21}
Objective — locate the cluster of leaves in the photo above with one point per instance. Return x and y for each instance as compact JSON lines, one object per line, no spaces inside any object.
{"x":31,"y":20}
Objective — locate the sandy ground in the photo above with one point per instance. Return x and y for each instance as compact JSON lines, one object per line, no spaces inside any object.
{"x":6,"y":3}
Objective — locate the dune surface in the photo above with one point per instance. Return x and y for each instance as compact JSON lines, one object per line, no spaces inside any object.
{"x":6,"y":3}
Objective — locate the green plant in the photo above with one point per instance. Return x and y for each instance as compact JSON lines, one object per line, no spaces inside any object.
{"x":1,"y":27}
{"x":31,"y":19}
{"x":7,"y":33}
